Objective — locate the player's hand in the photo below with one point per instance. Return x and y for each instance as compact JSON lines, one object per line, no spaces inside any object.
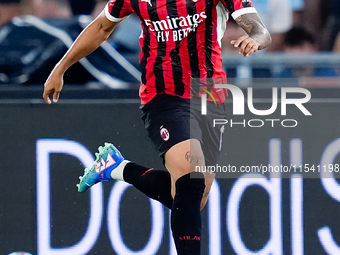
{"x":246,"y":45}
{"x":53,"y":86}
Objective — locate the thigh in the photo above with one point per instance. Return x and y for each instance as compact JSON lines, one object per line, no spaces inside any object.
{"x":183,"y":158}
{"x":176,"y":133}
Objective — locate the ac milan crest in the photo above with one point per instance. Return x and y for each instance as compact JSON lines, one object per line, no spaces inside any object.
{"x":165,"y":134}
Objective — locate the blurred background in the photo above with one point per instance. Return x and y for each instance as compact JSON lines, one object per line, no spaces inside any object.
{"x":45,"y":148}
{"x":36,"y":33}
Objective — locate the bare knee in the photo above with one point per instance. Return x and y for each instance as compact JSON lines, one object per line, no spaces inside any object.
{"x":182,"y":159}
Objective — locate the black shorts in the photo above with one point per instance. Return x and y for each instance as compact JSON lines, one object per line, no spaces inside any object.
{"x":170,"y":120}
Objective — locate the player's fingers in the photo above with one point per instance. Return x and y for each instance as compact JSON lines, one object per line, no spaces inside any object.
{"x":250,"y":48}
{"x":251,"y":51}
{"x":246,"y":44}
{"x":242,"y":47}
{"x":56,"y":96}
{"x":46,"y":97}
{"x":238,"y":42}
{"x":253,"y":47}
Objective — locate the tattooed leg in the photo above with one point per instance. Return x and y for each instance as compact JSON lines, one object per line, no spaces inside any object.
{"x":182,"y":159}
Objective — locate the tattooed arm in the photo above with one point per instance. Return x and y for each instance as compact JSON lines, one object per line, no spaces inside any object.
{"x":258,"y":36}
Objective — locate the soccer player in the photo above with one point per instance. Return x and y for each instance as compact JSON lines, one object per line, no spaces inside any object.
{"x":180,"y":42}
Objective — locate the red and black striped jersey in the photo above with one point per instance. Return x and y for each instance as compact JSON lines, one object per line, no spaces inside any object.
{"x":181,"y":40}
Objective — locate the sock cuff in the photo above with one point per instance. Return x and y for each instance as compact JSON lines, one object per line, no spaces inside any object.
{"x":117,"y":174}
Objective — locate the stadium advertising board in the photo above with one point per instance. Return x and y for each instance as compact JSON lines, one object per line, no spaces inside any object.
{"x":284,"y":199}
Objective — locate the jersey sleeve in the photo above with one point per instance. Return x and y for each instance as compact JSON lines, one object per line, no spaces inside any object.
{"x":239,"y":7}
{"x":116,"y":10}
